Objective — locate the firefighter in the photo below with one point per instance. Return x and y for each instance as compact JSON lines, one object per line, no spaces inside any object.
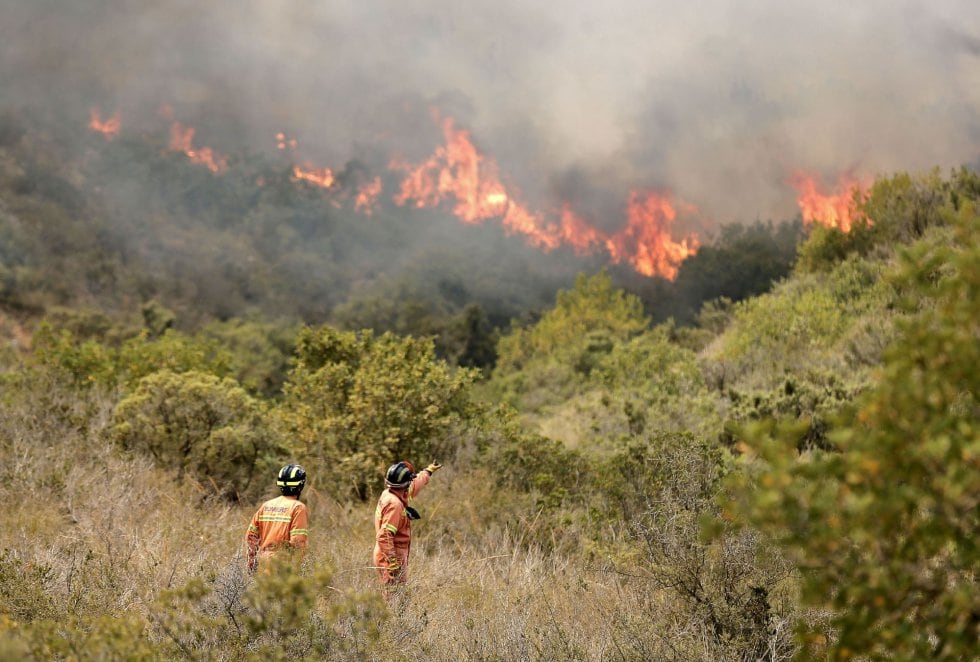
{"x":393,"y":522}
{"x":279,"y":523}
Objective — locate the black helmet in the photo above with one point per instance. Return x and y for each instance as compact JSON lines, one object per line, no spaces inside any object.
{"x":291,"y":479}
{"x":400,"y":475}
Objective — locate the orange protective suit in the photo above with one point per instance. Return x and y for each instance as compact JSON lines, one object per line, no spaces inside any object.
{"x":393,"y":530}
{"x":278,"y":523}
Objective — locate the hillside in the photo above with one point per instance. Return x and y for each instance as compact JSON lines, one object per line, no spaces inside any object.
{"x":112,"y":225}
{"x":793,"y":472}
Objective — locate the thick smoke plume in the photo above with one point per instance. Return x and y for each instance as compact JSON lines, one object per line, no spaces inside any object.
{"x":718,"y":102}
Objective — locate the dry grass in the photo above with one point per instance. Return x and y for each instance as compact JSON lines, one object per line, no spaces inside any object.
{"x":115,"y":532}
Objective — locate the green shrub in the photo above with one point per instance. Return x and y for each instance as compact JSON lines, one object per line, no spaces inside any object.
{"x":355,"y":403}
{"x":172,"y":351}
{"x":257,"y":353}
{"x":885,"y":529}
{"x":545,"y":364}
{"x":206,"y":428}
{"x":813,"y":398}
{"x":93,"y":361}
{"x":24,"y":587}
{"x":593,"y":309}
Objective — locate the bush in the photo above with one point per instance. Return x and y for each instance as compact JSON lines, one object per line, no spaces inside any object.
{"x":206,"y":428}
{"x":23,"y":589}
{"x":93,"y":361}
{"x":665,"y":487}
{"x":813,"y":398}
{"x":355,"y":403}
{"x":885,"y":529}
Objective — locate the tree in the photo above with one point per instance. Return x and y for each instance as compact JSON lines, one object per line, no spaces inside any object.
{"x":548,"y":362}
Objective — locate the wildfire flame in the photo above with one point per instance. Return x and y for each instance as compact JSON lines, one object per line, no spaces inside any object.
{"x":367,"y":196}
{"x":645,"y":241}
{"x":108,"y":128}
{"x":282,"y":142}
{"x":836,"y":209}
{"x":182,"y":140}
{"x":457,"y":173}
{"x":456,"y":170}
{"x":322,"y":177}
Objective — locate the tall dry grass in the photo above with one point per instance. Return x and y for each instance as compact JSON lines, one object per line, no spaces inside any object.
{"x":114,"y":533}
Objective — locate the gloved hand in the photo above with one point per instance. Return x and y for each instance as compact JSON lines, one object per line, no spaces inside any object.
{"x":393,"y":567}
{"x":434,"y":467}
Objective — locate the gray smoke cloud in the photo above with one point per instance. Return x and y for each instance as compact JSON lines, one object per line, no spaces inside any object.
{"x":714,"y":100}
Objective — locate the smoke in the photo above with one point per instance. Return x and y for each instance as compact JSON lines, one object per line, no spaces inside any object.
{"x":716,"y":101}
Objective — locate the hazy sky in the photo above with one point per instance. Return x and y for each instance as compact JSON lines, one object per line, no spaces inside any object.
{"x":717,"y":101}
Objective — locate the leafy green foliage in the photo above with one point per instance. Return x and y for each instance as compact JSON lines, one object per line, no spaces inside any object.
{"x":83,"y":363}
{"x":594,"y":307}
{"x":805,"y":324}
{"x":93,"y":361}
{"x":528,"y":462}
{"x":355,"y":403}
{"x":885,"y":530}
{"x":548,"y":361}
{"x":256,"y":352}
{"x":826,"y":247}
{"x":813,"y":398}
{"x":208,"y":429}
{"x":657,"y":384}
{"x":744,"y":261}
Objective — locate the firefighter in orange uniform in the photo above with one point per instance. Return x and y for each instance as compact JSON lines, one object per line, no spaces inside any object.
{"x":393,"y":522}
{"x":279,"y":523}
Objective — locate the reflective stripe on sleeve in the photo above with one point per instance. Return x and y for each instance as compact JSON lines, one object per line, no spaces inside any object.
{"x":391,"y":527}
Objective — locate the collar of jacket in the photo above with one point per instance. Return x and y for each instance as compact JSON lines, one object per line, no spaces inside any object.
{"x":401,"y":494}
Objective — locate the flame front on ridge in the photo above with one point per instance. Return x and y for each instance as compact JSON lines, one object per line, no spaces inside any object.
{"x":833,"y":210}
{"x":182,"y":140}
{"x":458,"y":175}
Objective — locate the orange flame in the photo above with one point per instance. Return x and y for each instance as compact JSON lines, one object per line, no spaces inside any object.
{"x":182,"y":140}
{"x":458,"y":173}
{"x":322,"y":177}
{"x":108,"y":128}
{"x":582,"y":237}
{"x":282,"y":142}
{"x":832,"y":210}
{"x":645,"y":241}
{"x":367,"y":196}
